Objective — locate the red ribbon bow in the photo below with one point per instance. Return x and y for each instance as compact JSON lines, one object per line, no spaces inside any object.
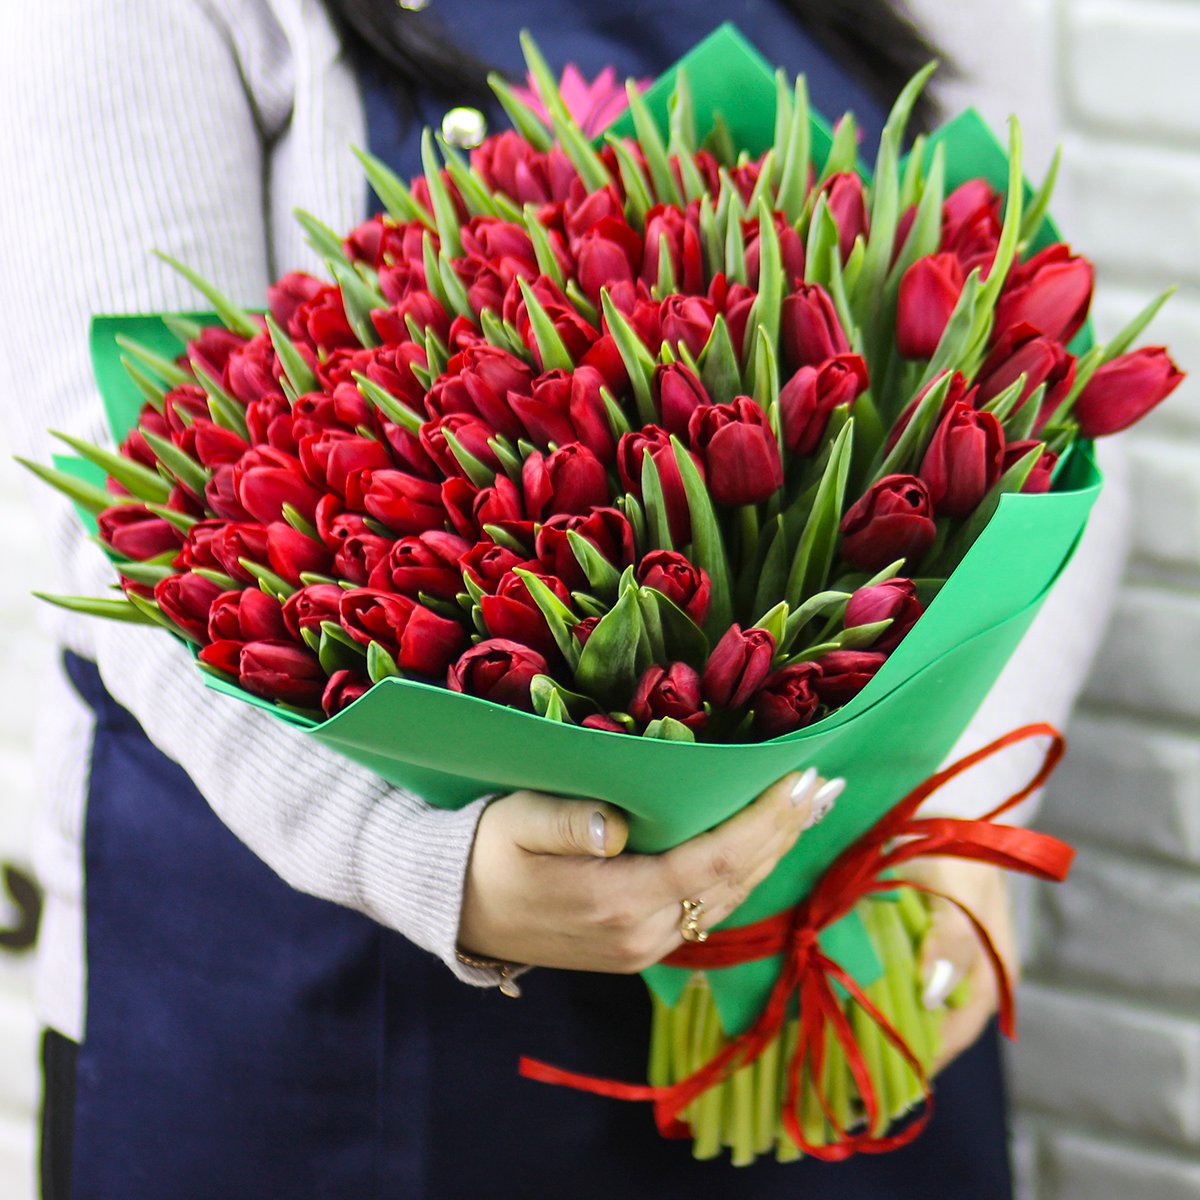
{"x":810,"y":975}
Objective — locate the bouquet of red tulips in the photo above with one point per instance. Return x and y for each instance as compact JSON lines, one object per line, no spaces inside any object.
{"x":647,"y":468}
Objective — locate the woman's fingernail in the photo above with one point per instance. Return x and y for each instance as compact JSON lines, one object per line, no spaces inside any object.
{"x":822,"y":802}
{"x":940,"y":980}
{"x":803,"y":786}
{"x":597,"y":828}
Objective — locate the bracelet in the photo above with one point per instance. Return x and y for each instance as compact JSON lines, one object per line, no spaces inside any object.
{"x":508,"y":984}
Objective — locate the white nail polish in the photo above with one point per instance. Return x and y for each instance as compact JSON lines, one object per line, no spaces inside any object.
{"x":597,"y":828}
{"x":803,"y":786}
{"x":822,"y":802}
{"x":940,"y":980}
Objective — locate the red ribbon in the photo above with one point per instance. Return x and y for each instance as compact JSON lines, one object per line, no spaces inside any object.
{"x":808,"y":974}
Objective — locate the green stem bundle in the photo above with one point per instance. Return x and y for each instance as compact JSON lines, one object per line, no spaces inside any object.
{"x":744,"y":1113}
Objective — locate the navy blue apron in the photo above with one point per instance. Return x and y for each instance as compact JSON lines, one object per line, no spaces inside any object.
{"x":245,"y":1040}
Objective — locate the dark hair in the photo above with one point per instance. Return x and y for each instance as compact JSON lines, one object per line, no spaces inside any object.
{"x":877,"y":41}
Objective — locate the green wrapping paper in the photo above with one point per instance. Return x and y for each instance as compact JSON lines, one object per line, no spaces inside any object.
{"x":452,"y":748}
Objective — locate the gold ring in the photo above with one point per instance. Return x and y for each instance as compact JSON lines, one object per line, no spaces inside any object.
{"x":689,"y":923}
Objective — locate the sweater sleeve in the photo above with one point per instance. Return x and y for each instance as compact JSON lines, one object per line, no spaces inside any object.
{"x":130,"y":126}
{"x":1045,"y":676}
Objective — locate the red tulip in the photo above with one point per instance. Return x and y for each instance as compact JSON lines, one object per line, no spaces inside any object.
{"x":266,"y":479}
{"x":788,"y":700}
{"x":737,"y":666}
{"x":282,"y":671}
{"x":895,"y":601}
{"x":246,"y":616}
{"x":236,"y":541}
{"x":511,"y":613}
{"x":893,"y":520}
{"x":402,"y":502}
{"x":679,"y":393}
{"x":808,"y":399}
{"x":291,"y":553}
{"x":672,"y":691}
{"x":687,"y":319}
{"x":685,"y":585}
{"x":848,"y":206}
{"x":845,"y":673}
{"x":419,"y":640}
{"x":343,"y":688}
{"x":739,"y":451}
{"x":681,"y":230}
{"x":929,"y":293}
{"x":811,"y":331}
{"x":1125,"y":390}
{"x":1052,"y":292}
{"x":186,"y":599}
{"x":607,"y":529}
{"x":426,"y":563}
{"x":964,"y":461}
{"x":1021,"y":350}
{"x":1042,"y":474}
{"x":308,"y":607}
{"x":631,"y":450}
{"x":133,"y":531}
{"x":571,"y":480}
{"x":498,"y":670}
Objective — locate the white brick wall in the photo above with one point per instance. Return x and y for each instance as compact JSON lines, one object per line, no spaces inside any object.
{"x":24,"y":654}
{"x":1107,"y":1073}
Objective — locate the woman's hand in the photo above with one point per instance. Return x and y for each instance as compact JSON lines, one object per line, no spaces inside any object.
{"x":951,"y":952}
{"x":548,"y":883}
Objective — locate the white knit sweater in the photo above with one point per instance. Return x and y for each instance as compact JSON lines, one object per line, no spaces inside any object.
{"x":196,"y":127}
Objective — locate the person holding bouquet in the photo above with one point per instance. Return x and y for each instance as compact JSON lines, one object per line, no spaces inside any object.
{"x":263,"y":1004}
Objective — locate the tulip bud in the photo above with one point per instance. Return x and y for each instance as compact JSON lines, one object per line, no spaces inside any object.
{"x":246,"y":616}
{"x":893,"y":520}
{"x":929,"y":293}
{"x":672,"y":691}
{"x":687,"y":319}
{"x":848,"y":207}
{"x":133,"y":531}
{"x":607,"y":529}
{"x":1125,"y":390}
{"x":811,"y":331}
{"x":679,"y":393}
{"x":1052,"y":292}
{"x":266,"y":479}
{"x":1021,"y":350}
{"x":631,"y":449}
{"x":895,"y":601}
{"x":1042,"y":475}
{"x":404,"y":503}
{"x":291,"y":553}
{"x":788,"y":700}
{"x":282,"y":671}
{"x":808,"y":399}
{"x":845,"y":673}
{"x":737,"y":667}
{"x":739,"y":450}
{"x":571,"y":480}
{"x":308,"y":607}
{"x":343,"y":688}
{"x":964,"y":461}
{"x":419,"y":640}
{"x":681,"y":229}
{"x":512,"y":613}
{"x":186,"y":599}
{"x":425,"y":563}
{"x":498,"y":670}
{"x":686,"y":586}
